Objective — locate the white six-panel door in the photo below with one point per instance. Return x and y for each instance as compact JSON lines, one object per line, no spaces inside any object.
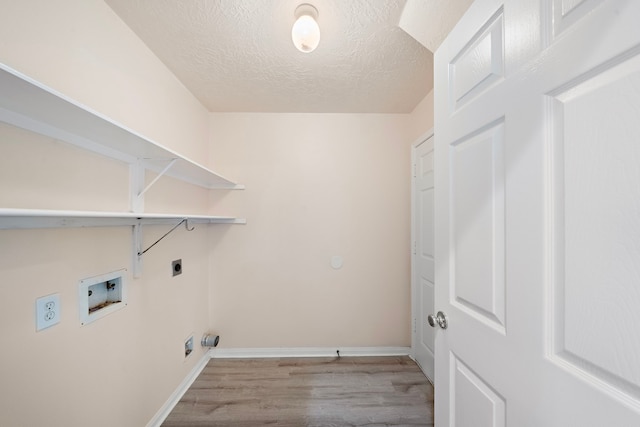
{"x":423,"y":255}
{"x":537,"y":189}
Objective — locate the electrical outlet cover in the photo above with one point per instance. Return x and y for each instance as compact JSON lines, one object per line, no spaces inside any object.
{"x":176,"y":267}
{"x":47,"y":311}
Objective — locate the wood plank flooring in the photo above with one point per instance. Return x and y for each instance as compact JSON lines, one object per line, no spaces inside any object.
{"x":350,"y":391}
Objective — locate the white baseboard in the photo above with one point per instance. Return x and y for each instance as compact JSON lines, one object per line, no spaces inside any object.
{"x":228,"y":353}
{"x":173,"y":400}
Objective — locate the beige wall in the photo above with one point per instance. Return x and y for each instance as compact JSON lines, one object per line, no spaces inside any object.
{"x":121,"y":369}
{"x":318,"y":185}
{"x":421,"y":120}
{"x":82,"y":49}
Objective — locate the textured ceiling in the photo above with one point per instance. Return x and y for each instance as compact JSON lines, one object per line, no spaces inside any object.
{"x":237,"y":55}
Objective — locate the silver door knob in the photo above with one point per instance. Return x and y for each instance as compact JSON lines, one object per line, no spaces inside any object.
{"x":431,"y":319}
{"x":439,"y":319}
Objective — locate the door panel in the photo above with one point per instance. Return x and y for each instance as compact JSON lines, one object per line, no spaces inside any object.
{"x":537,"y":195}
{"x":474,"y":402}
{"x":477,"y":224}
{"x":480,"y":63}
{"x":423,"y":258}
{"x":426,"y":230}
{"x":426,"y":334}
{"x":567,"y":12}
{"x":596,"y":189}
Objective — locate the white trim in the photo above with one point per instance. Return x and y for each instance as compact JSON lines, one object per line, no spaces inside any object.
{"x":225,"y":353}
{"x":422,"y":138}
{"x":31,"y":105}
{"x":175,"y":397}
{"x":46,"y":218}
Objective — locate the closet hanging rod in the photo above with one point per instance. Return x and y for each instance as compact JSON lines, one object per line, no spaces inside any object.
{"x":185,"y":221}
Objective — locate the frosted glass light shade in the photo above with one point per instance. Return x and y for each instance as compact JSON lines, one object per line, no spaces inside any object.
{"x":305,"y":33}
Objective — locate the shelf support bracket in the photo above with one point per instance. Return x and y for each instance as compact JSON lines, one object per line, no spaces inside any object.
{"x":160,"y":175}
{"x":137,"y":244}
{"x":137,"y":247}
{"x":185,"y":221}
{"x":136,"y":191}
{"x":136,"y":184}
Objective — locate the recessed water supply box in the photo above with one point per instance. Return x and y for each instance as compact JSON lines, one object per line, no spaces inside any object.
{"x":102,"y":295}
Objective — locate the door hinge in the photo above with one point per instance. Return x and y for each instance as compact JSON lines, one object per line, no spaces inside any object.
{"x":414,"y":325}
{"x":414,"y":170}
{"x":415,"y":244}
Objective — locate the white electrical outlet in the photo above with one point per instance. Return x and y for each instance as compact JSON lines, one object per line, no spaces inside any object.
{"x":47,"y":311}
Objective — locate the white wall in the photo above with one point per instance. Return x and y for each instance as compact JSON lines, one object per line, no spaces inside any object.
{"x":318,"y":185}
{"x":132,"y":360}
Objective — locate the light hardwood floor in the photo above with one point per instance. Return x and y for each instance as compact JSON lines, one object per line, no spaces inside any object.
{"x":350,"y":391}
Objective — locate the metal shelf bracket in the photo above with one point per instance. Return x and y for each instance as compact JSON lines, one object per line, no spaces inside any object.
{"x":185,"y":221}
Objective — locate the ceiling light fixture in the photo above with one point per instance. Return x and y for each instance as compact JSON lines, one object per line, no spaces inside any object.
{"x":306,"y":32}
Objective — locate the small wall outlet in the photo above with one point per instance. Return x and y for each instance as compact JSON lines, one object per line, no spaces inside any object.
{"x":188,"y":346}
{"x":176,"y":267}
{"x":47,"y":311}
